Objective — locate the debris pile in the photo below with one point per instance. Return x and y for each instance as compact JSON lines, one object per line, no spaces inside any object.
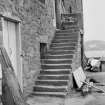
{"x":86,"y":84}
{"x":93,"y":65}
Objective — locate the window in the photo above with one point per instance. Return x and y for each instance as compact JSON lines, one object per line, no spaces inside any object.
{"x":42,"y":1}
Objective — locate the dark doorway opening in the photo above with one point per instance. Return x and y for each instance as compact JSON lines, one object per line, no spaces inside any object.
{"x":70,"y":9}
{"x":43,"y":50}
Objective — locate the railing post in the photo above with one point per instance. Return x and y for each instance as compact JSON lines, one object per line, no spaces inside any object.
{"x":82,"y":47}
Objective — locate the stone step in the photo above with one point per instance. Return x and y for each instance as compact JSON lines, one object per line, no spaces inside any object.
{"x":68,"y":42}
{"x":50,"y":64}
{"x":50,"y":94}
{"x":61,"y":52}
{"x":51,"y":86}
{"x":42,"y":72}
{"x":64,"y":41}
{"x":61,"y":38}
{"x":54,"y":83}
{"x":48,"y":54}
{"x":59,"y":57}
{"x":57,"y":54}
{"x":57,"y":62}
{"x":55,"y":59}
{"x":65,"y":31}
{"x":63,"y":48}
{"x":73,"y":24}
{"x":55,"y":74}
{"x":63,"y":44}
{"x":47,"y":89}
{"x":65,"y":37}
{"x":67,"y":34}
{"x":75,"y":29}
{"x":52,"y":80}
{"x":56,"y":67}
{"x":60,"y":77}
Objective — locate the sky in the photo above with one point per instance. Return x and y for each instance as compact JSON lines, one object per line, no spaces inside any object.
{"x":94,"y":19}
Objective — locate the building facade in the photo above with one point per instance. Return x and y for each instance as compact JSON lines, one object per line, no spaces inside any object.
{"x":38,"y":20}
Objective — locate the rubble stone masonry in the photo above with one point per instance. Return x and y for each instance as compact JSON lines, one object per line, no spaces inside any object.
{"x":76,"y":5}
{"x":37,"y":25}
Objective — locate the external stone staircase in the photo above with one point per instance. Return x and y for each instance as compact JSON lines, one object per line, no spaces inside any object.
{"x":54,"y":78}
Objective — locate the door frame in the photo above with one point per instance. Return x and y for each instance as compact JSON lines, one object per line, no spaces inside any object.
{"x":18,"y":44}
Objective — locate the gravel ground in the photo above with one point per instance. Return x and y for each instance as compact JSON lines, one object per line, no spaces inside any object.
{"x":45,"y":101}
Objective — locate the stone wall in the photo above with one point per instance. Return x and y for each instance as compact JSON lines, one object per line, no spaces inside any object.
{"x":36,"y":26}
{"x":76,"y":5}
{"x":77,"y":56}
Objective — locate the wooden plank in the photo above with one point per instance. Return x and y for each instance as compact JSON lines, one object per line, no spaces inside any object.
{"x":93,"y":86}
{"x":79,"y":76}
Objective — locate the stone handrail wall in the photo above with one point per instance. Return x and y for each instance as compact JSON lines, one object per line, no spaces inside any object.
{"x":77,"y":56}
{"x":76,"y":62}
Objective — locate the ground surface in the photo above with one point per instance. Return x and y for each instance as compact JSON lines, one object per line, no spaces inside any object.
{"x":94,"y":98}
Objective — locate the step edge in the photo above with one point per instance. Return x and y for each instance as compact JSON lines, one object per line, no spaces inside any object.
{"x":58,"y":59}
{"x":55,"y":64}
{"x":51,"y":93}
{"x":51,"y":87}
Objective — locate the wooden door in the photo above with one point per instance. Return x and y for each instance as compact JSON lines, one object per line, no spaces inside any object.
{"x":9,"y":42}
{"x":12,"y":44}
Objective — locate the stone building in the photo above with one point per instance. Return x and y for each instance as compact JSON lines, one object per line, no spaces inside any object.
{"x":74,"y":5}
{"x":38,"y":19}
